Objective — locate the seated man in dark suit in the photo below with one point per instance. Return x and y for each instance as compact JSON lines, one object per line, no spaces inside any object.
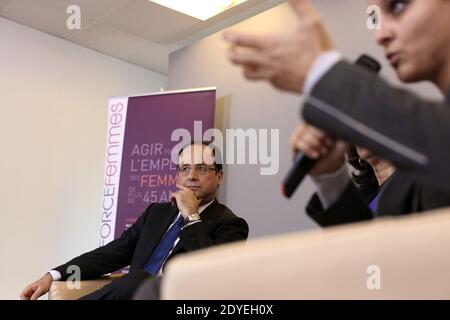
{"x":164,"y":230}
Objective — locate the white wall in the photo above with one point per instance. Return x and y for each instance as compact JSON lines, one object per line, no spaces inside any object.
{"x":53,"y":104}
{"x":258,"y":105}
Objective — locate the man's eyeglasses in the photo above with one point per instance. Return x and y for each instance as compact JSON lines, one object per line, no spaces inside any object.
{"x":201,"y":169}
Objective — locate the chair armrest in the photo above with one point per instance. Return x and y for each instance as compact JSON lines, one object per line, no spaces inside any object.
{"x":62,"y":290}
{"x":336,"y":263}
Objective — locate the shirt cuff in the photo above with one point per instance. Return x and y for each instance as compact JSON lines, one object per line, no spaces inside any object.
{"x":330,"y":186}
{"x":55,"y":275}
{"x":320,"y":67}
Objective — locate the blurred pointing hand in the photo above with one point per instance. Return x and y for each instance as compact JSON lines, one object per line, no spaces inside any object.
{"x":282,"y":59}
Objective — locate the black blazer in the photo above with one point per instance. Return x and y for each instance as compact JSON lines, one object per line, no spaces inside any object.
{"x":399,"y":196}
{"x":219,"y":225}
{"x":355,"y":105}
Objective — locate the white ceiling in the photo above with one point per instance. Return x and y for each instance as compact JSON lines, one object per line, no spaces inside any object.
{"x":138,"y":31}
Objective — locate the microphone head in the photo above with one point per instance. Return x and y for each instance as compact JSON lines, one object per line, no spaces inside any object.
{"x":369,"y":63}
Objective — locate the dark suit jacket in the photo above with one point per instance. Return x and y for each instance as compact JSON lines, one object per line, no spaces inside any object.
{"x":399,"y":196}
{"x":219,"y":225}
{"x":357,"y":106}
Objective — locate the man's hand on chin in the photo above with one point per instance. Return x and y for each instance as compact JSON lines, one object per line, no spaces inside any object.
{"x":186,"y":200}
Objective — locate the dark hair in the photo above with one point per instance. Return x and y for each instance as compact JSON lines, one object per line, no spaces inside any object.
{"x":364,"y":176}
{"x":209,"y":144}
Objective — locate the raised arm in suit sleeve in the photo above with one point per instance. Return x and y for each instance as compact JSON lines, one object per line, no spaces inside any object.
{"x":349,"y":207}
{"x":115,"y":255}
{"x":352,"y":104}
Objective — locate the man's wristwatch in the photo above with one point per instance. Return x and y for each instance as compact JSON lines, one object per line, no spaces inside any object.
{"x":192,"y":217}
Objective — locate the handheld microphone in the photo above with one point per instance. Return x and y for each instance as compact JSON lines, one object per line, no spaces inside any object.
{"x":302,"y":164}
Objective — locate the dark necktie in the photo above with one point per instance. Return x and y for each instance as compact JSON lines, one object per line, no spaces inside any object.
{"x":373,"y":205}
{"x":161,"y":252}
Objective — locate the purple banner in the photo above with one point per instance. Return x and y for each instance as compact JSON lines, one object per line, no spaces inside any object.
{"x":146,"y":173}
